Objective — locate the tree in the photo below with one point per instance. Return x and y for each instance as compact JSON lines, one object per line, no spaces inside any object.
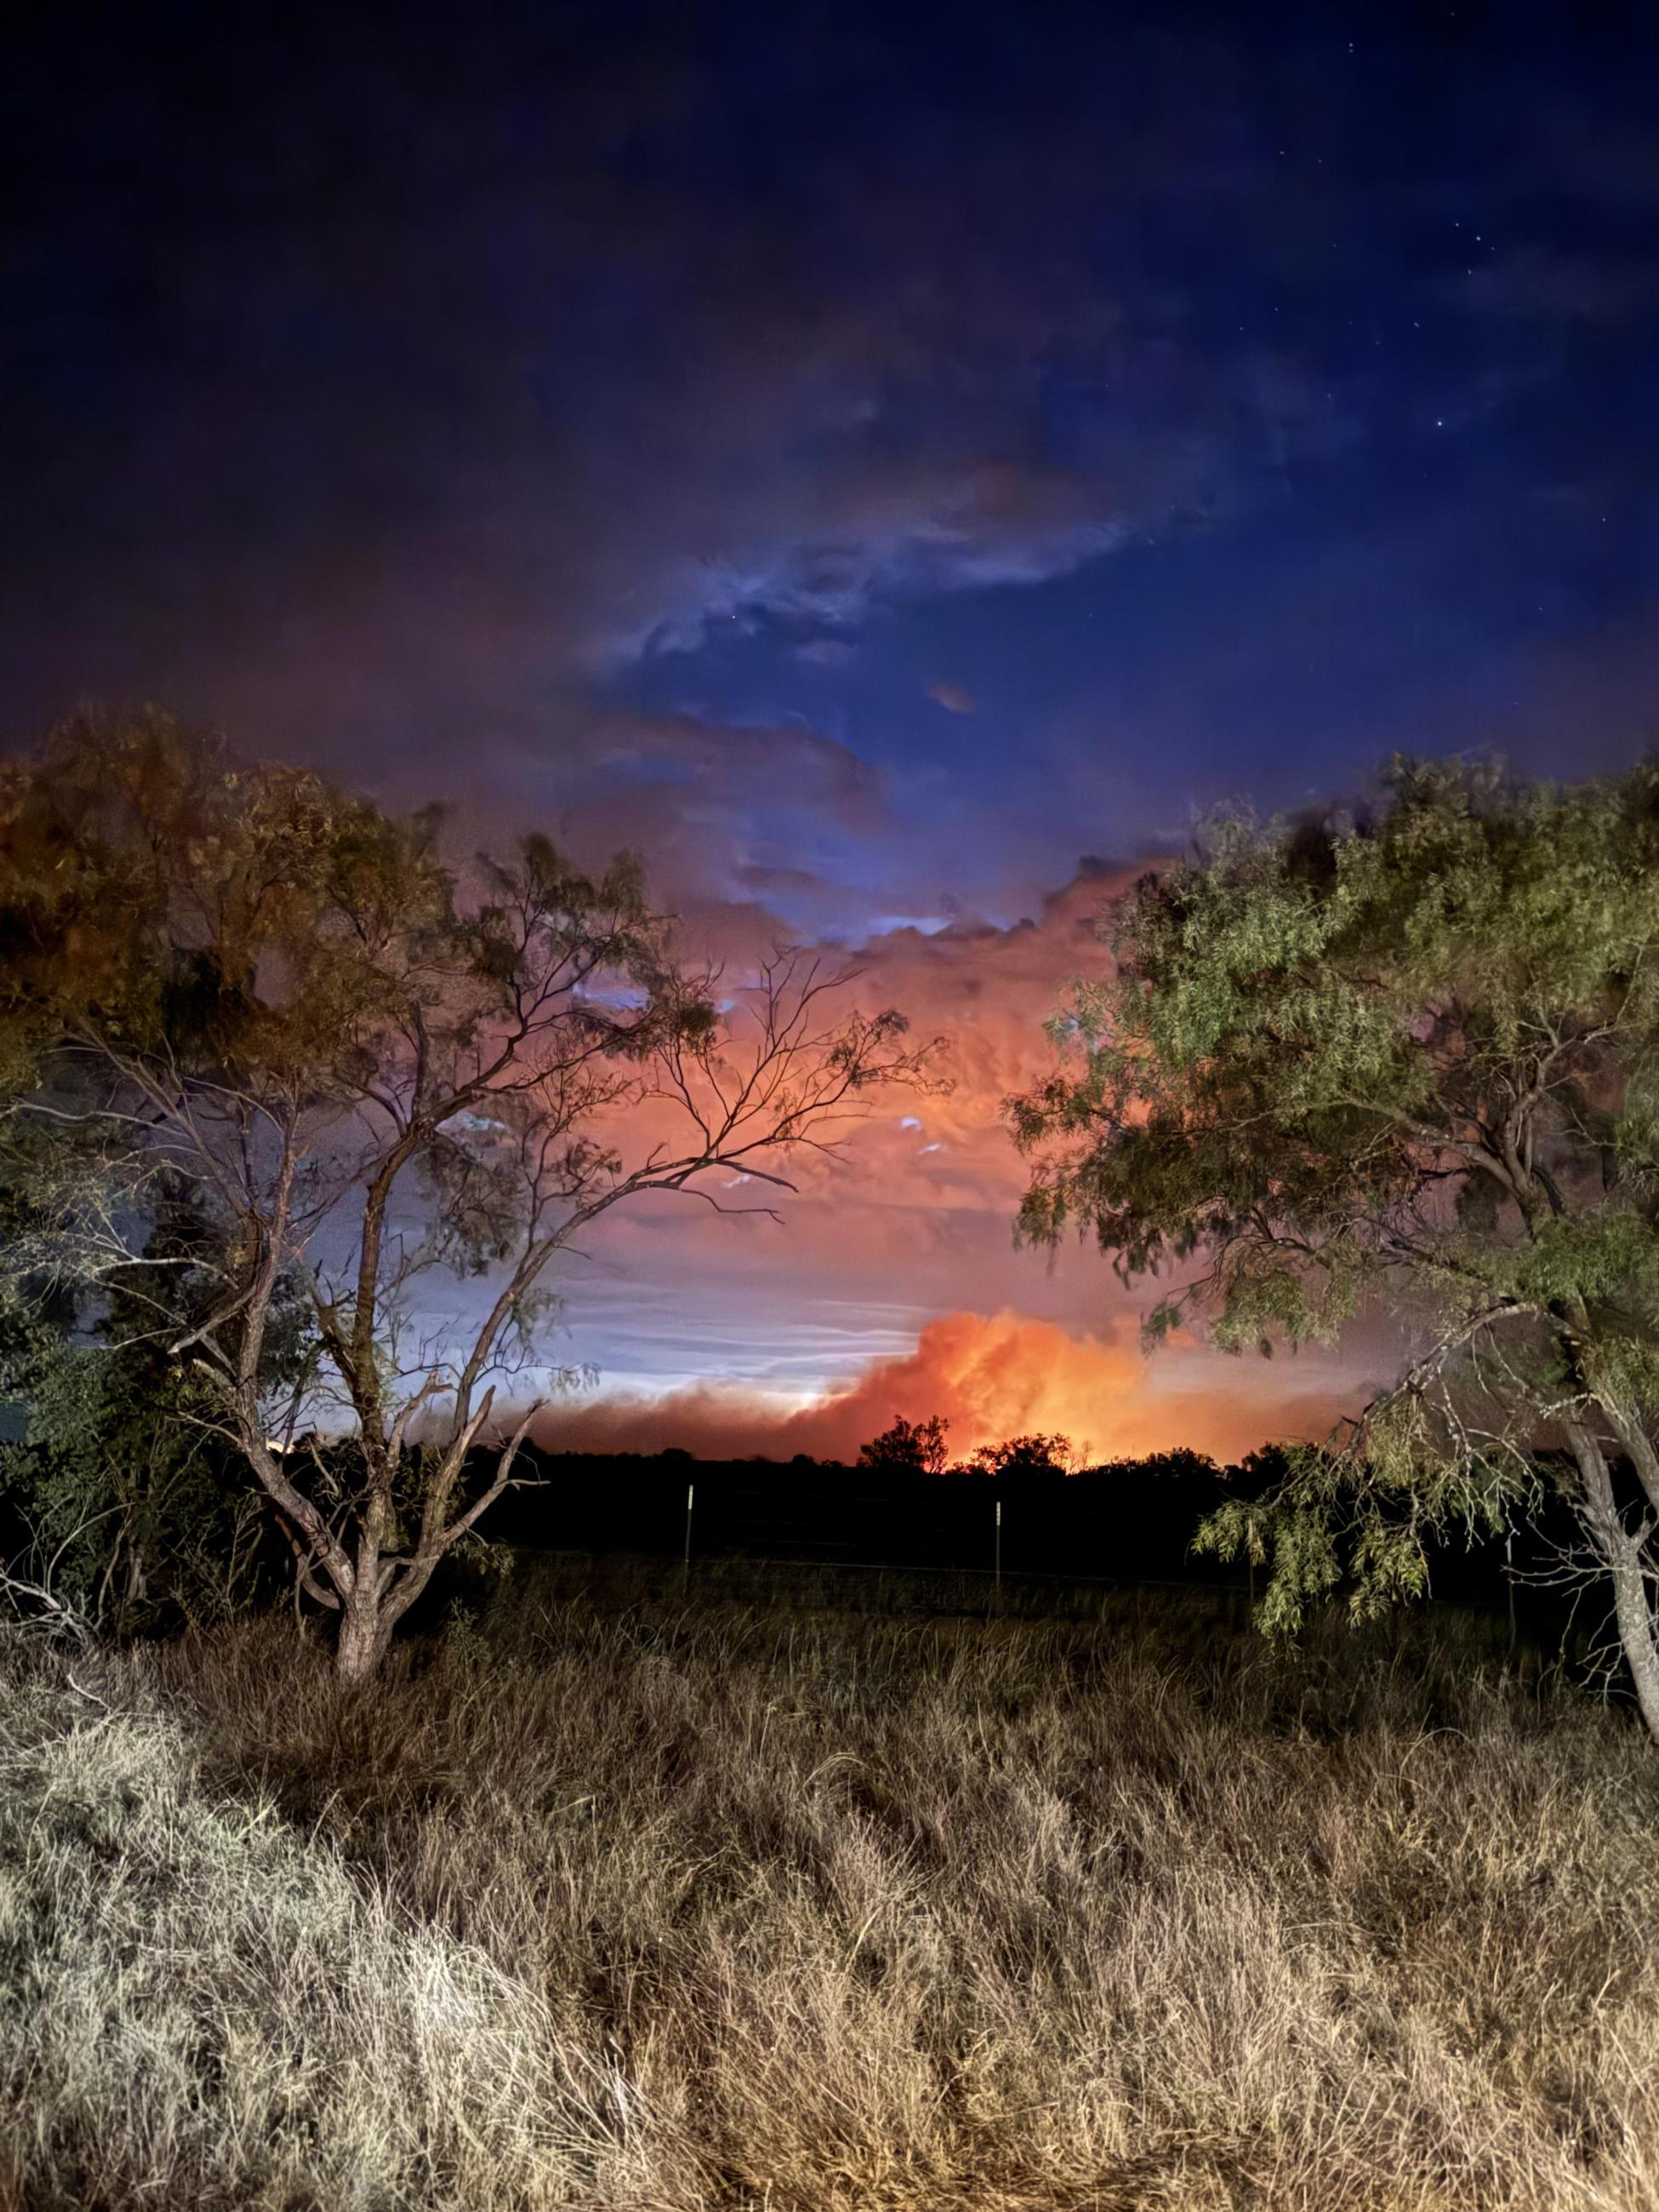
{"x":919,"y":1444}
{"x":112,"y":1490}
{"x":1403,"y":1064}
{"x":1033,"y":1454}
{"x":364,"y":1068}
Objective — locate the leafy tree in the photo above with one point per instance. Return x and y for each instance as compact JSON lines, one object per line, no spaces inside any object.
{"x":1033,"y":1454}
{"x":116,"y":1501}
{"x":919,"y":1444}
{"x":1179,"y":1465}
{"x":116,"y":1490}
{"x":1404,"y":1065}
{"x":364,"y":1068}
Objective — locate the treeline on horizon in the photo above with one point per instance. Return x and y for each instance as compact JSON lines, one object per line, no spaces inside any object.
{"x":1121,"y":1520}
{"x":1129,"y":1521}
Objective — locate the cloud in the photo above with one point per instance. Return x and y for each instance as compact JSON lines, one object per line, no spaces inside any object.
{"x":952,"y":697}
{"x":638,"y":402}
{"x":732,"y":819}
{"x":834,"y":543}
{"x":991,"y":1377}
{"x":782,"y":1337}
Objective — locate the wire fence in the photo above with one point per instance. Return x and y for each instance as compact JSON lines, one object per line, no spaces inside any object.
{"x":942,"y":1544}
{"x":747,"y":1538}
{"x":876,"y":1586}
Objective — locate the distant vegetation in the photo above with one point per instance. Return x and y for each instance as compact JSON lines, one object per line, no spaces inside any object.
{"x":925,"y":1444}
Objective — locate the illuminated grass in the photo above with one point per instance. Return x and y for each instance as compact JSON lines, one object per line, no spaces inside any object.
{"x":724,"y":1907}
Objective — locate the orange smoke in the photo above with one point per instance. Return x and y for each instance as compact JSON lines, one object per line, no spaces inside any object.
{"x":991,"y":1378}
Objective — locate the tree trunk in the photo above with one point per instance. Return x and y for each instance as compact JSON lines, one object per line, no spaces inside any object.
{"x":1636,"y":1630}
{"x":1620,"y":1550}
{"x":365,"y":1632}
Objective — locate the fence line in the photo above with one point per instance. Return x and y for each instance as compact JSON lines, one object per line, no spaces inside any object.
{"x":896,"y":1567}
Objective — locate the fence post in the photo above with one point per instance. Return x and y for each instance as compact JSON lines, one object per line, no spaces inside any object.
{"x":685,"y":1567}
{"x":998,"y":1555}
{"x":1509,"y":1578}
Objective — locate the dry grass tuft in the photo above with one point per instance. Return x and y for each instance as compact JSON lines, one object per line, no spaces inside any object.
{"x":677,"y":1908}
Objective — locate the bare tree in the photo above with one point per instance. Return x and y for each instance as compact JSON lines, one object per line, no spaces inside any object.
{"x":366,"y":1070}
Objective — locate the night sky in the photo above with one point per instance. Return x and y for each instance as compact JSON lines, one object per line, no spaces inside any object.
{"x":896,"y":467}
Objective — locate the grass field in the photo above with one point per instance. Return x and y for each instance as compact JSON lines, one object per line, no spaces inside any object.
{"x":608,"y":1901}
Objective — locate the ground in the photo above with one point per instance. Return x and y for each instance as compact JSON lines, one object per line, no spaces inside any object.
{"x":605,"y":1898}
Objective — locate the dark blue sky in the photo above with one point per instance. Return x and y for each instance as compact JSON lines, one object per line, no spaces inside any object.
{"x":867,"y":459}
{"x":872,"y":455}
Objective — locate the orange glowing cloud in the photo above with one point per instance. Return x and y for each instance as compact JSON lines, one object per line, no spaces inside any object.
{"x":991,"y":1378}
{"x":810,"y":1334}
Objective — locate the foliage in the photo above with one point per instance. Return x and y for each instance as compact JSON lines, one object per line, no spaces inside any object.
{"x":1403,"y":1064}
{"x":118,"y":1491}
{"x":1032,"y":1454}
{"x":919,"y":1444}
{"x":922,"y":1445}
{"x":1180,"y":1466}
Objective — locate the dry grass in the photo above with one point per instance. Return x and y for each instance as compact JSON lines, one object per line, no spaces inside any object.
{"x":724,"y":1907}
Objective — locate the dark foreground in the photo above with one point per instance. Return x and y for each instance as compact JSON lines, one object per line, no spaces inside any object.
{"x":605,"y":1901}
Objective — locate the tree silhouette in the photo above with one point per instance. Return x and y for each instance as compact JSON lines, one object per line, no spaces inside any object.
{"x":919,"y":1444}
